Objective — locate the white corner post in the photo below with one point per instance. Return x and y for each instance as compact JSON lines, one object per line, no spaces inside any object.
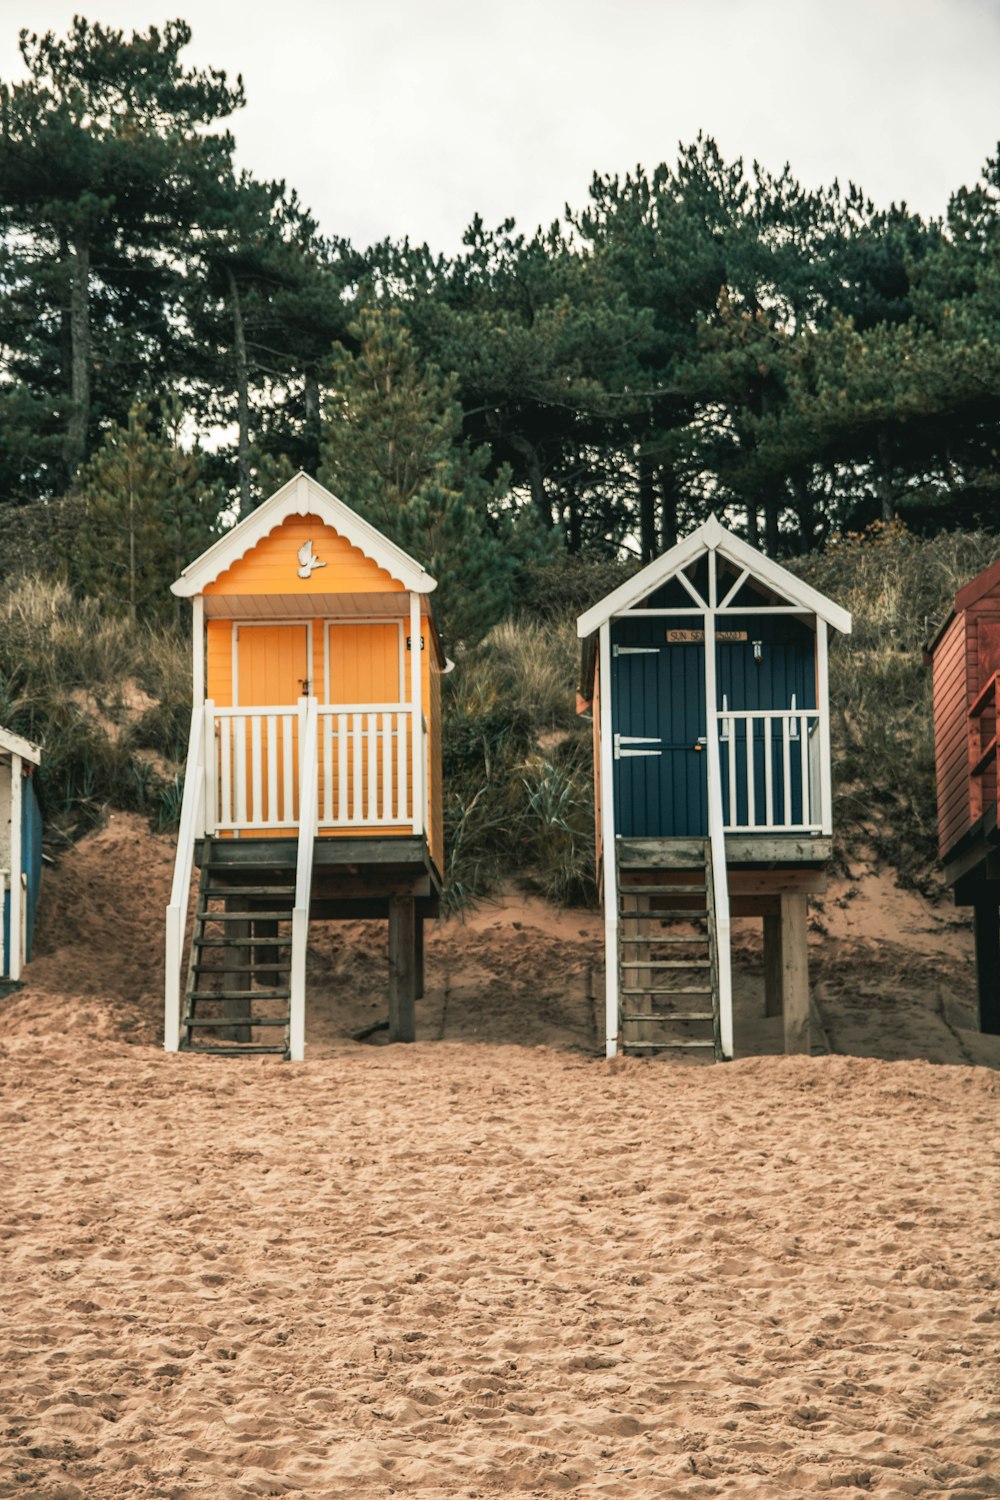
{"x":193,"y":816}
{"x":823,"y":704}
{"x":716,"y":831}
{"x":308,"y":821}
{"x":417,"y":704}
{"x":197,"y":651}
{"x":16,"y":793}
{"x":609,"y":849}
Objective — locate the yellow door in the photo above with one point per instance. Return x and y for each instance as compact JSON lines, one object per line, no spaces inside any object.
{"x":364,"y":748}
{"x":365,"y":663}
{"x":272,"y":665}
{"x":271,"y":671}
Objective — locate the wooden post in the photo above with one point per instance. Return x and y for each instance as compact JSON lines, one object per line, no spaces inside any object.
{"x":418,"y":946}
{"x":986,"y":929}
{"x":402,"y":968}
{"x":236,"y":953}
{"x":773,"y":979}
{"x":795,"y":973}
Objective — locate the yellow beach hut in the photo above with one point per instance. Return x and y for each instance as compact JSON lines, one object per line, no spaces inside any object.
{"x":313,"y":780}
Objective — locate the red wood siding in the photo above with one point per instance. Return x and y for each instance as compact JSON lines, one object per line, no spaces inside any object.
{"x":951,"y":734}
{"x":965,"y":658}
{"x":984,"y":660}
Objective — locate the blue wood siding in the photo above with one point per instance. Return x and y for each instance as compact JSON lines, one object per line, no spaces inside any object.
{"x":31,"y":854}
{"x":660,"y":697}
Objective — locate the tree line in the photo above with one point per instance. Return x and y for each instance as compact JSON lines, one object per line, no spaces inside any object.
{"x":177,"y":336}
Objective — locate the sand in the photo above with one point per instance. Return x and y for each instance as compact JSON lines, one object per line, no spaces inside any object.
{"x":493,"y":1263}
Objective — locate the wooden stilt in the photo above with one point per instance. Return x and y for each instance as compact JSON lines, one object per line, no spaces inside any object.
{"x":795,"y":973}
{"x":418,"y":936}
{"x":402,"y":968}
{"x":986,"y":927}
{"x":238,"y":1010}
{"x":773,"y":980}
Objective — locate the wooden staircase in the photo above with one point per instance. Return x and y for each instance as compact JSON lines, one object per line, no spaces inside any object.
{"x":238,"y":996}
{"x":667,"y":962}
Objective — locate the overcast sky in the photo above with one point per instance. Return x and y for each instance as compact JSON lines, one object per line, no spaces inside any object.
{"x":407,"y":117}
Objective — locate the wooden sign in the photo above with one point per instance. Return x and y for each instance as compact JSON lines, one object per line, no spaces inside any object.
{"x":695,"y":637}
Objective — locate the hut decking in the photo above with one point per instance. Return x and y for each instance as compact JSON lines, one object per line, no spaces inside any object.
{"x":313,"y":782}
{"x":707,"y":675}
{"x":965,"y":658}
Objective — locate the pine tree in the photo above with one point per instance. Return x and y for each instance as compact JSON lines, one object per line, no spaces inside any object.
{"x":391,"y":449}
{"x":146,"y":516}
{"x":104,"y":163}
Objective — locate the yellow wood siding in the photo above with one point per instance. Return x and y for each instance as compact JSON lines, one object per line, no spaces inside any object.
{"x":435,"y":791}
{"x":219,"y":663}
{"x":272,"y":566}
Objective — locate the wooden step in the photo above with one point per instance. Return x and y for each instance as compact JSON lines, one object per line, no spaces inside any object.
{"x":220,"y":1021}
{"x":661,"y":890}
{"x":695,"y":937}
{"x":691,"y":914}
{"x":242,"y":968}
{"x":666,"y":963}
{"x":251,"y":890}
{"x":241,"y":994}
{"x":238,"y":1050}
{"x":659,"y":1046}
{"x":243,"y":916}
{"x":681,"y":989}
{"x":242,"y":942}
{"x":676,"y":1015}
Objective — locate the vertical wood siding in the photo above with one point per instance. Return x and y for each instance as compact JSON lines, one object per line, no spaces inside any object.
{"x":952,"y":697}
{"x":435,"y":788}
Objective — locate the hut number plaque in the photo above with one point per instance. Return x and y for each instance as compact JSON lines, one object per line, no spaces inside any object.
{"x":695,"y":637}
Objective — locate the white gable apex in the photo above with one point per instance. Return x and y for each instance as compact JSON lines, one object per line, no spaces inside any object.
{"x":712,"y":536}
{"x":302,"y":496}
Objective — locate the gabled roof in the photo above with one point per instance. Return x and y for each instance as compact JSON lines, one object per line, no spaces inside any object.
{"x":986,"y":582}
{"x":302,"y":496}
{"x":713,"y":537}
{"x":15,"y":745}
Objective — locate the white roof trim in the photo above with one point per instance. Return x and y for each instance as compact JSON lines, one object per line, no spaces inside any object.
{"x":302,"y":496}
{"x":712,"y":536}
{"x":17,"y":746}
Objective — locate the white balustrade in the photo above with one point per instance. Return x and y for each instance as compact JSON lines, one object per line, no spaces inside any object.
{"x":255,"y":769}
{"x":771,"y":770}
{"x":363,"y":767}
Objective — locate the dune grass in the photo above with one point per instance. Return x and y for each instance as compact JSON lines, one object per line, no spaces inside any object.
{"x":108,"y":701}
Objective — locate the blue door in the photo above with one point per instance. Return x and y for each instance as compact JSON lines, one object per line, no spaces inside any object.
{"x":658,"y":718}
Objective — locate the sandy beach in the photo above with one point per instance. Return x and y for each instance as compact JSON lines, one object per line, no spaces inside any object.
{"x":493,"y":1263}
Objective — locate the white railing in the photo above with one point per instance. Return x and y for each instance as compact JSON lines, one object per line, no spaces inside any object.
{"x":191,"y":826}
{"x":363,"y":767}
{"x":718,"y":898}
{"x":771,"y":770}
{"x":309,"y":813}
{"x":254,"y":773}
{"x":366,"y":765}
